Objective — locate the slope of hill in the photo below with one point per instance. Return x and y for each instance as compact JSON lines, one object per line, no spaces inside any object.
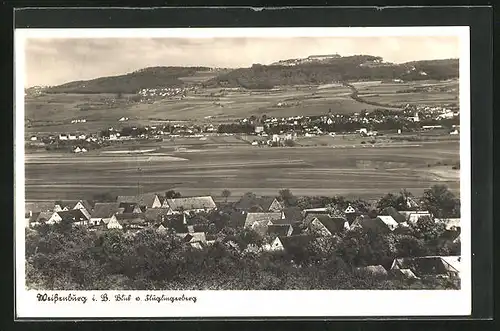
{"x":351,"y":68}
{"x":316,"y":71}
{"x":152,"y":77}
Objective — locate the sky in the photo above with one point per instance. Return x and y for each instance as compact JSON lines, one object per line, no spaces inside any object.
{"x":57,"y":61}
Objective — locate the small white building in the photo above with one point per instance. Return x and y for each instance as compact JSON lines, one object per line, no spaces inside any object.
{"x":77,"y":150}
{"x":33,"y":138}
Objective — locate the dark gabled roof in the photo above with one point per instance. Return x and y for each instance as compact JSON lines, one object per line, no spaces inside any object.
{"x":86,"y":204}
{"x":279,"y":230}
{"x":373,"y":224}
{"x":34,"y":216}
{"x":294,"y":243}
{"x":311,"y":216}
{"x":105,"y":209}
{"x":128,"y":207}
{"x":39,"y":206}
{"x":428,"y":265}
{"x":142,"y":199}
{"x":40,"y":216}
{"x":130,"y":218}
{"x":332,"y":224}
{"x":237,"y":219}
{"x":297,"y":229}
{"x":283,"y":221}
{"x":391,"y":211}
{"x":293,"y":213}
{"x":246,"y":202}
{"x":155,"y":214}
{"x":72,"y":215}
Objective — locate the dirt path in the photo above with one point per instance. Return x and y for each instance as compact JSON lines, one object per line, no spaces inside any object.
{"x":355,"y":96}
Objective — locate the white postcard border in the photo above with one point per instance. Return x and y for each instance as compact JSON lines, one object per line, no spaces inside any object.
{"x":248,"y":303}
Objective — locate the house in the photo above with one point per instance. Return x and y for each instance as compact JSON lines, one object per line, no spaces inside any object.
{"x":350,"y":214}
{"x":85,"y":206}
{"x":429,"y":265}
{"x":310,"y":217}
{"x":190,"y":205}
{"x":38,"y":218}
{"x":157,"y":214}
{"x":103,"y":211}
{"x":327,"y":226}
{"x":381,"y":224}
{"x":279,"y":230}
{"x":388,"y":221}
{"x":251,"y":218}
{"x":63,"y":137}
{"x":38,"y":207}
{"x":131,"y":208}
{"x":64,"y":205}
{"x":143,"y":200}
{"x":74,"y":216}
{"x":402,"y":274}
{"x":195,"y":239}
{"x":72,"y":137}
{"x":306,"y":212}
{"x":292,"y":244}
{"x":127,"y":221}
{"x":391,"y":211}
{"x":263,"y":204}
{"x":375,"y":270}
{"x":294,"y":214}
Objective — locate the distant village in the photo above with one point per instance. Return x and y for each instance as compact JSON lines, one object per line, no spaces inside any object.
{"x":193,"y":220}
{"x":278,"y":131}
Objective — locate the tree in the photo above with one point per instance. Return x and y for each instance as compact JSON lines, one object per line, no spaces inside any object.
{"x":441,"y":202}
{"x":399,"y":201}
{"x":171,"y":194}
{"x":226,"y":194}
{"x":287,"y":197}
{"x":388,"y":200}
{"x":427,"y":229}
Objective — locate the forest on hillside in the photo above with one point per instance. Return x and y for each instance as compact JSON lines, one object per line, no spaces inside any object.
{"x":350,"y":68}
{"x":154,"y":77}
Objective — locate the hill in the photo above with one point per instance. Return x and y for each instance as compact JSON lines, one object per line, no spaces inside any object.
{"x":351,"y":68}
{"x":152,"y":77}
{"x":312,"y":70}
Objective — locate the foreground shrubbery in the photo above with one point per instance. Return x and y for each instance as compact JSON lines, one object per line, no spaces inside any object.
{"x":61,"y":257}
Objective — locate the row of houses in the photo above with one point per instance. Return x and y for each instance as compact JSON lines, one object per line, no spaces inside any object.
{"x":264,"y":215}
{"x":126,"y":209}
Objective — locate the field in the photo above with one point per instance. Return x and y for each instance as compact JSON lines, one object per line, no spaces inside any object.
{"x":395,"y":94}
{"x":208,"y":167}
{"x":54,"y":112}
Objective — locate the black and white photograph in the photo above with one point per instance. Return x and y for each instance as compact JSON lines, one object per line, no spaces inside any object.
{"x":246,"y":162}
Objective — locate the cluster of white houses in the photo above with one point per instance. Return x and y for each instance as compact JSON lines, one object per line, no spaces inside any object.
{"x":288,"y":227}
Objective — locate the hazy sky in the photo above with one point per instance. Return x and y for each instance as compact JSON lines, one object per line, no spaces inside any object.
{"x":57,"y":61}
